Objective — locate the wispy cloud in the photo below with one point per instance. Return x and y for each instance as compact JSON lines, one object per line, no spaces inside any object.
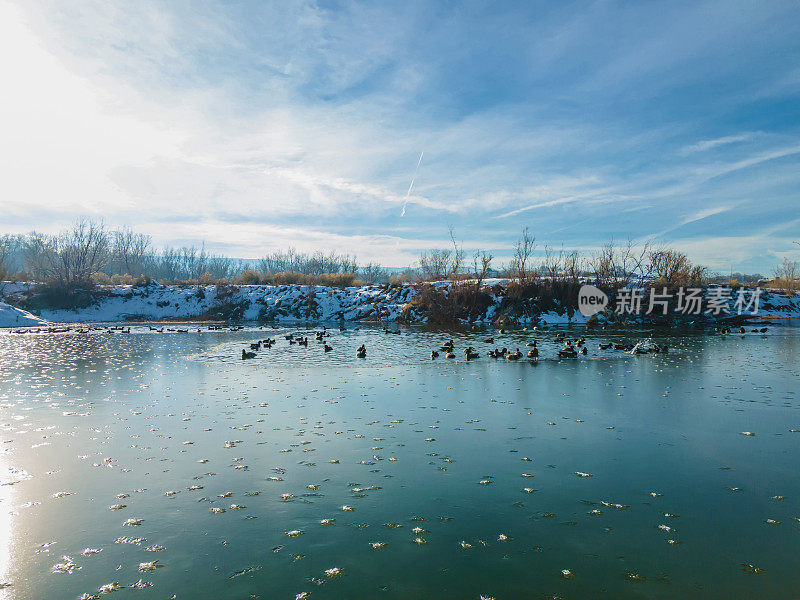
{"x":704,"y":145}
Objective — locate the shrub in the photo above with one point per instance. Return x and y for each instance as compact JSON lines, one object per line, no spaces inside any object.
{"x":103,"y":279}
{"x":248,"y":277}
{"x":447,"y":304}
{"x":225,"y":290}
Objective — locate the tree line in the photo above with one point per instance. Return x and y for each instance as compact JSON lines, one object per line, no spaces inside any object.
{"x":88,"y":253}
{"x":612,"y":265}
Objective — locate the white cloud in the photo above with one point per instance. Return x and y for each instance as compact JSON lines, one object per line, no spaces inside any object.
{"x":61,"y":136}
{"x":704,"y":145}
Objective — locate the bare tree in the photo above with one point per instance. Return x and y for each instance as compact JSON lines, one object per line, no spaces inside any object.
{"x":69,"y":259}
{"x":526,"y":244}
{"x":787,"y":274}
{"x":573,"y":265}
{"x":614,"y":265}
{"x":435,"y":264}
{"x":552,"y":263}
{"x":373,"y":273}
{"x":481,"y":263}
{"x":457,"y":256}
{"x":5,"y":252}
{"x":317,"y":263}
{"x":128,"y":251}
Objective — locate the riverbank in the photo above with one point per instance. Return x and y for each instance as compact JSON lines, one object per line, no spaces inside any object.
{"x":297,"y":303}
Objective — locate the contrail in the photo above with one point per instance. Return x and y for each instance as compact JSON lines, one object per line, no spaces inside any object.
{"x":419,"y":162}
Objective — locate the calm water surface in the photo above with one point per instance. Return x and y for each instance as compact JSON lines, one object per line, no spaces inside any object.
{"x":611,"y":476}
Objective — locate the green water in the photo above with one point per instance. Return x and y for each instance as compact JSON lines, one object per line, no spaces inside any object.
{"x":101,"y":414}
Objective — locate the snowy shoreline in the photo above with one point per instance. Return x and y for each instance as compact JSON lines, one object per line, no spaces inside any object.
{"x":291,"y":304}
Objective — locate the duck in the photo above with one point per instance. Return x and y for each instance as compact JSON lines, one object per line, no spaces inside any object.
{"x":434,"y":354}
{"x":470,"y":353}
{"x":327,"y":348}
{"x":255,"y":346}
{"x":531,"y":344}
{"x":361,"y":352}
{"x":514,"y":355}
{"x":605,"y":346}
{"x":741,"y":330}
{"x":568,"y":351}
{"x":489,"y":340}
{"x":763,"y":330}
{"x":533,"y":353}
{"x":584,"y":351}
{"x":449,"y":354}
{"x":246,"y":354}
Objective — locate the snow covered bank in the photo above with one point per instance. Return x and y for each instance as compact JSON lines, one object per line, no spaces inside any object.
{"x":16,"y":317}
{"x":292,"y":303}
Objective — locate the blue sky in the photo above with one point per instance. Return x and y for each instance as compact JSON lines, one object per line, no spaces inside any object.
{"x":253,"y":126}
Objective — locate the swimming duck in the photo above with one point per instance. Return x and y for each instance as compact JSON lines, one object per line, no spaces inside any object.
{"x":605,"y":346}
{"x":246,"y":354}
{"x":470,"y":353}
{"x":434,"y":354}
{"x":361,"y":352}
{"x":514,"y":355}
{"x":327,"y":348}
{"x":533,"y":353}
{"x":489,"y":340}
{"x":567,"y":352}
{"x":449,"y":354}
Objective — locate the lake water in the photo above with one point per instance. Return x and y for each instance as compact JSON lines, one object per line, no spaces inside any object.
{"x":610,"y":476}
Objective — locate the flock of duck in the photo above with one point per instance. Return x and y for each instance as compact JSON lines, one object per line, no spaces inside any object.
{"x":571,"y":349}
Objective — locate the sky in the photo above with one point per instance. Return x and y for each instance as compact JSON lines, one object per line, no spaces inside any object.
{"x":254,"y":126}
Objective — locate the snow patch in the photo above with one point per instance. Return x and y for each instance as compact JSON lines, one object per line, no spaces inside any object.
{"x":16,"y":317}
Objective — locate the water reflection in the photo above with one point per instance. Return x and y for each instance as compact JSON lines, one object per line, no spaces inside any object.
{"x":165,"y":459}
